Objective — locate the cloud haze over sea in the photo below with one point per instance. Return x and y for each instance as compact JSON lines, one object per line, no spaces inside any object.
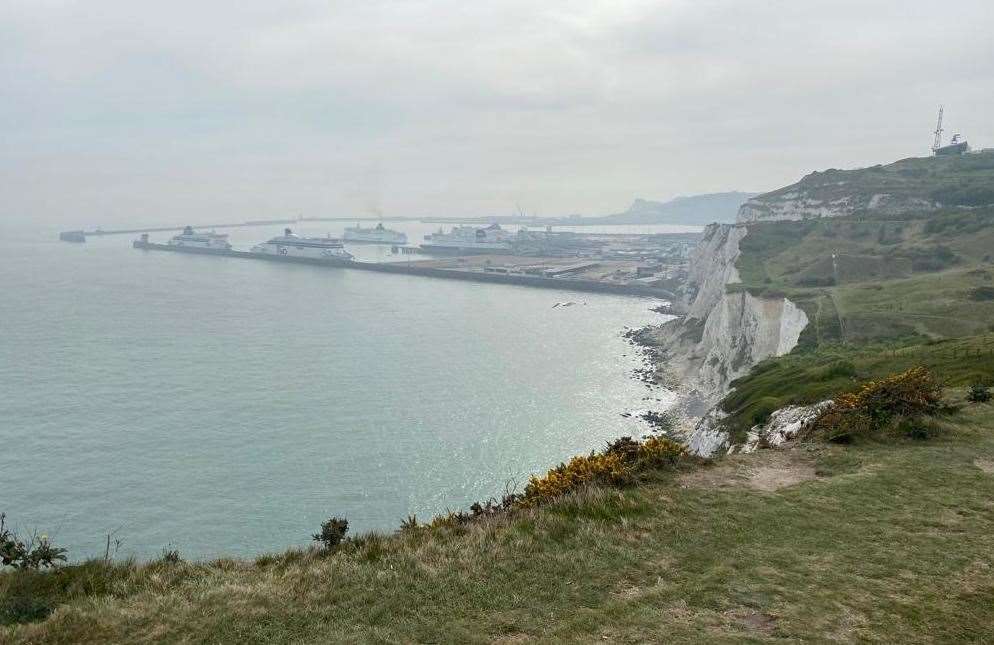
{"x":118,"y":111}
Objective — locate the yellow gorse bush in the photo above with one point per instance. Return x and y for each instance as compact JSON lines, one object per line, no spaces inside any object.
{"x":909,"y":393}
{"x":912,"y":393}
{"x":619,"y":463}
{"x":616,"y":465}
{"x":579,"y":471}
{"x":660,"y":451}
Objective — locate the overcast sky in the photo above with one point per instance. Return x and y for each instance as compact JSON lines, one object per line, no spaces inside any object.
{"x":125,"y":110}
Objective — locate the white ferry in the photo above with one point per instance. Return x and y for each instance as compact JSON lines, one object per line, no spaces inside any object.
{"x":291,"y":245}
{"x":469,"y":239}
{"x":375,"y":235}
{"x":210,"y":240}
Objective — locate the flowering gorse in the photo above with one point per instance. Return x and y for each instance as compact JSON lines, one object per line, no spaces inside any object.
{"x":909,"y":395}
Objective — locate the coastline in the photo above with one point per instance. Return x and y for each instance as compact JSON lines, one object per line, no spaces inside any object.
{"x":660,"y":372}
{"x":573,"y":433}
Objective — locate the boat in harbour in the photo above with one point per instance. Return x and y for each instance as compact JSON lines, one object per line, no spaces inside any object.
{"x":376,"y":235}
{"x":291,"y":245}
{"x":469,"y":240}
{"x":190,"y":238}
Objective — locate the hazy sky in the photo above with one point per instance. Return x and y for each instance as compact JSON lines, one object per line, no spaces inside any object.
{"x":145,"y":111}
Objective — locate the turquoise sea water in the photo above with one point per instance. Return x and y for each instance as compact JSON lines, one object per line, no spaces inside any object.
{"x":226,"y":406}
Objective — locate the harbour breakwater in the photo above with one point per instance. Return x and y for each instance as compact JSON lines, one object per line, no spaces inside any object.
{"x":404,"y":268}
{"x":81,"y":235}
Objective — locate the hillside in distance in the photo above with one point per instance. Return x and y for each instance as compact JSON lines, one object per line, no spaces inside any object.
{"x":910,"y":185}
{"x":893,"y":266}
{"x":694,"y":210}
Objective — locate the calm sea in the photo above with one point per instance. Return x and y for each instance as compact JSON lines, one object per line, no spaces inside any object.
{"x":226,"y":406}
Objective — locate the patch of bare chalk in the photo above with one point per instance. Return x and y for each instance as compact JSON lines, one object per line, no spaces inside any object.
{"x":986,"y":465}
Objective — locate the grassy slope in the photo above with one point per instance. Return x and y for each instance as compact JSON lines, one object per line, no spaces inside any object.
{"x":810,"y":376}
{"x":892,"y":543}
{"x":894,"y":283}
{"x":955,"y":181}
{"x":928,"y":265}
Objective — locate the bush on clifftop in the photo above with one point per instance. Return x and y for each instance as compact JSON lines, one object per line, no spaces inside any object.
{"x":617,"y":464}
{"x":333,"y":531}
{"x":979,"y":394}
{"x":34,"y":553}
{"x":900,"y":398}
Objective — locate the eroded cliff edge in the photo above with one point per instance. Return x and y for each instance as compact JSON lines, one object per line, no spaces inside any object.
{"x":726,"y":329}
{"x":722,"y":335}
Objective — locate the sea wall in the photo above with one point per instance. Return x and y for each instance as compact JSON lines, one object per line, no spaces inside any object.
{"x":405,"y":268}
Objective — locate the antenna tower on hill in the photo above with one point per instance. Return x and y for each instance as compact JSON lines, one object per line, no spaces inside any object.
{"x":937,"y":143}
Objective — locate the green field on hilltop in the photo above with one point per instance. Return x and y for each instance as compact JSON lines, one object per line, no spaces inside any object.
{"x":879,"y":541}
{"x":809,"y":376}
{"x":966,"y":180}
{"x":870,"y":285}
{"x":861,"y":279}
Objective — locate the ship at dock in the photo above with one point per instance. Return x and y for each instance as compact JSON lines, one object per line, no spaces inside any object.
{"x":466,"y":240}
{"x":376,"y":235}
{"x":72,"y":236}
{"x":290,"y":245}
{"x":192,"y":239}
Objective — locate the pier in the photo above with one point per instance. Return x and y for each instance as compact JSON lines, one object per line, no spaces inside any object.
{"x":80,"y":235}
{"x":405,"y":268}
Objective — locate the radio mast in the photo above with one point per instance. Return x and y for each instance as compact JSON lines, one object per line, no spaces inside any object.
{"x":938,"y":133}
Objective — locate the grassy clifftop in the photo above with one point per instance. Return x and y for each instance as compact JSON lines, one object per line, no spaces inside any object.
{"x":929,"y":182}
{"x":884,"y":542}
{"x":887,"y":540}
{"x":882,"y":291}
{"x":870,"y":278}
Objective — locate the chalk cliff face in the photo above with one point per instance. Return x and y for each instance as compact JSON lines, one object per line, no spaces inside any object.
{"x":915,"y":184}
{"x":712,"y":266}
{"x":801,"y":202}
{"x":726,"y":331}
{"x":723,"y":335}
{"x":783,"y":425}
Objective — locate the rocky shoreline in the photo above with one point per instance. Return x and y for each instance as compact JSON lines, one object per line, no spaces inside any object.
{"x":653,"y":374}
{"x":719,"y":337}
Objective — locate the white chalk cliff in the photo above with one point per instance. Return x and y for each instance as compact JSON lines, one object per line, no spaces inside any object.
{"x":726,"y":330}
{"x":723,"y":334}
{"x":892,"y":189}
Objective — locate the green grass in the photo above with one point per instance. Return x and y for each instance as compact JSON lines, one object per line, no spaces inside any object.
{"x":954,"y":181}
{"x":892,"y":542}
{"x":787,"y":254}
{"x":934,"y":305}
{"x":866,"y":279}
{"x":808,"y":377}
{"x":893,"y":287}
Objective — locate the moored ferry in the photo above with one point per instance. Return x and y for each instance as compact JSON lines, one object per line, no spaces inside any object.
{"x":291,"y":245}
{"x":375,"y":235}
{"x":469,"y":239}
{"x":190,"y":238}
